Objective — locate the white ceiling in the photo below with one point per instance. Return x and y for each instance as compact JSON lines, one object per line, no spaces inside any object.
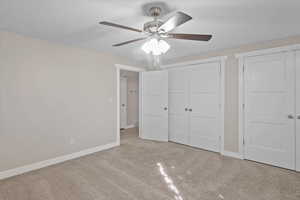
{"x":75,"y":22}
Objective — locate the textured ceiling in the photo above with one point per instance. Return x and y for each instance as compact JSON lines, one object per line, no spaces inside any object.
{"x":75,"y":22}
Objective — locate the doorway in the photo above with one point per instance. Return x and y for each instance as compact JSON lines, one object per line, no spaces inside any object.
{"x":124,"y":93}
{"x":128,"y":106}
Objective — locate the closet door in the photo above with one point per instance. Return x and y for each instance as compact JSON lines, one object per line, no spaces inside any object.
{"x":178,"y":111}
{"x":154,"y":105}
{"x":298,"y":110}
{"x":269,"y":109}
{"x":204,"y":109}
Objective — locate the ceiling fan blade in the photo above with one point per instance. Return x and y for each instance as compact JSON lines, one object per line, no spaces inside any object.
{"x":130,"y":41}
{"x":176,"y":20}
{"x":119,"y":26}
{"x":183,"y":36}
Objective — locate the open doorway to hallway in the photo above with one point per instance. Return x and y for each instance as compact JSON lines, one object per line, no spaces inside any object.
{"x":129,"y":104}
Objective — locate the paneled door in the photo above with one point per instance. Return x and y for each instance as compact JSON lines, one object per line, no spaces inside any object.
{"x":178,"y":106}
{"x":269,"y":109}
{"x":154,"y":105}
{"x":205,"y":106}
{"x":298,"y":110}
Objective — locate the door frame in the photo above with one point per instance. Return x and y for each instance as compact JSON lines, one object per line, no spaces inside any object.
{"x":241,"y":98}
{"x":120,"y":67}
{"x":221,"y":60}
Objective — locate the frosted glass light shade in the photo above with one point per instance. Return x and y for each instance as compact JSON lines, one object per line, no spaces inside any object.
{"x":156,"y":47}
{"x":163,"y":46}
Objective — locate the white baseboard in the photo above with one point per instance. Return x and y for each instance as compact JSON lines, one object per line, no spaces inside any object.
{"x":53,"y":161}
{"x":232,"y":154}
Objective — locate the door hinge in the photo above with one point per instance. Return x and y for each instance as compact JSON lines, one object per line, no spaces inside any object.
{"x":220,"y":71}
{"x":243,"y":141}
{"x":243,"y":106}
{"x":243,"y":68}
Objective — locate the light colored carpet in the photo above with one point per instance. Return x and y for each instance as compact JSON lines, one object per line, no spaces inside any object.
{"x":147,"y":170}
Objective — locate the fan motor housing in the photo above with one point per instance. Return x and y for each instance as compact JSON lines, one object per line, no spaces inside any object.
{"x":155,"y":11}
{"x":152,"y":26}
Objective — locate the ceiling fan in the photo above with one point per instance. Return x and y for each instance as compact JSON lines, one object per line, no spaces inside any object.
{"x":157,"y":30}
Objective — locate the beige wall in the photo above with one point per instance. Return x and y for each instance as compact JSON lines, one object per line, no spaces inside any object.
{"x":54,"y":100}
{"x":231,"y":83}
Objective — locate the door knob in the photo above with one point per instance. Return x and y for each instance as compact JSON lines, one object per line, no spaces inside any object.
{"x":186,"y":109}
{"x":165,"y":108}
{"x":298,"y":117}
{"x":123,"y":105}
{"x":290,"y":116}
{"x":190,"y":110}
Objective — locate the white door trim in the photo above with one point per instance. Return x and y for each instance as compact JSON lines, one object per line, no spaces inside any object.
{"x":241,"y":107}
{"x":222,"y":100}
{"x":241,"y":58}
{"x":195,"y":62}
{"x":268,"y":51}
{"x":221,"y":60}
{"x":120,"y":67}
{"x":297,"y":108}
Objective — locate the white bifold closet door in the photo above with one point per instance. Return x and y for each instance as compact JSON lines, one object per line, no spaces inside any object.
{"x":298,"y":110}
{"x":269,"y":85}
{"x":178,"y":106}
{"x":204,"y":106}
{"x":154,"y":105}
{"x":194,"y":106}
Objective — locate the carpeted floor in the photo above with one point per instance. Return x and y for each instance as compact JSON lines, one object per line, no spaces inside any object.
{"x":147,"y":170}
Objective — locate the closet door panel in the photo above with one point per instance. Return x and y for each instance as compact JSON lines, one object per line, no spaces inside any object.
{"x":269,"y":109}
{"x":298,"y":110}
{"x":204,"y":98}
{"x":178,"y":116}
{"x":154,"y":106}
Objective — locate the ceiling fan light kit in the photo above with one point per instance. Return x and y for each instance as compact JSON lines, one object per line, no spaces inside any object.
{"x":156,"y":46}
{"x":157,"y":29}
